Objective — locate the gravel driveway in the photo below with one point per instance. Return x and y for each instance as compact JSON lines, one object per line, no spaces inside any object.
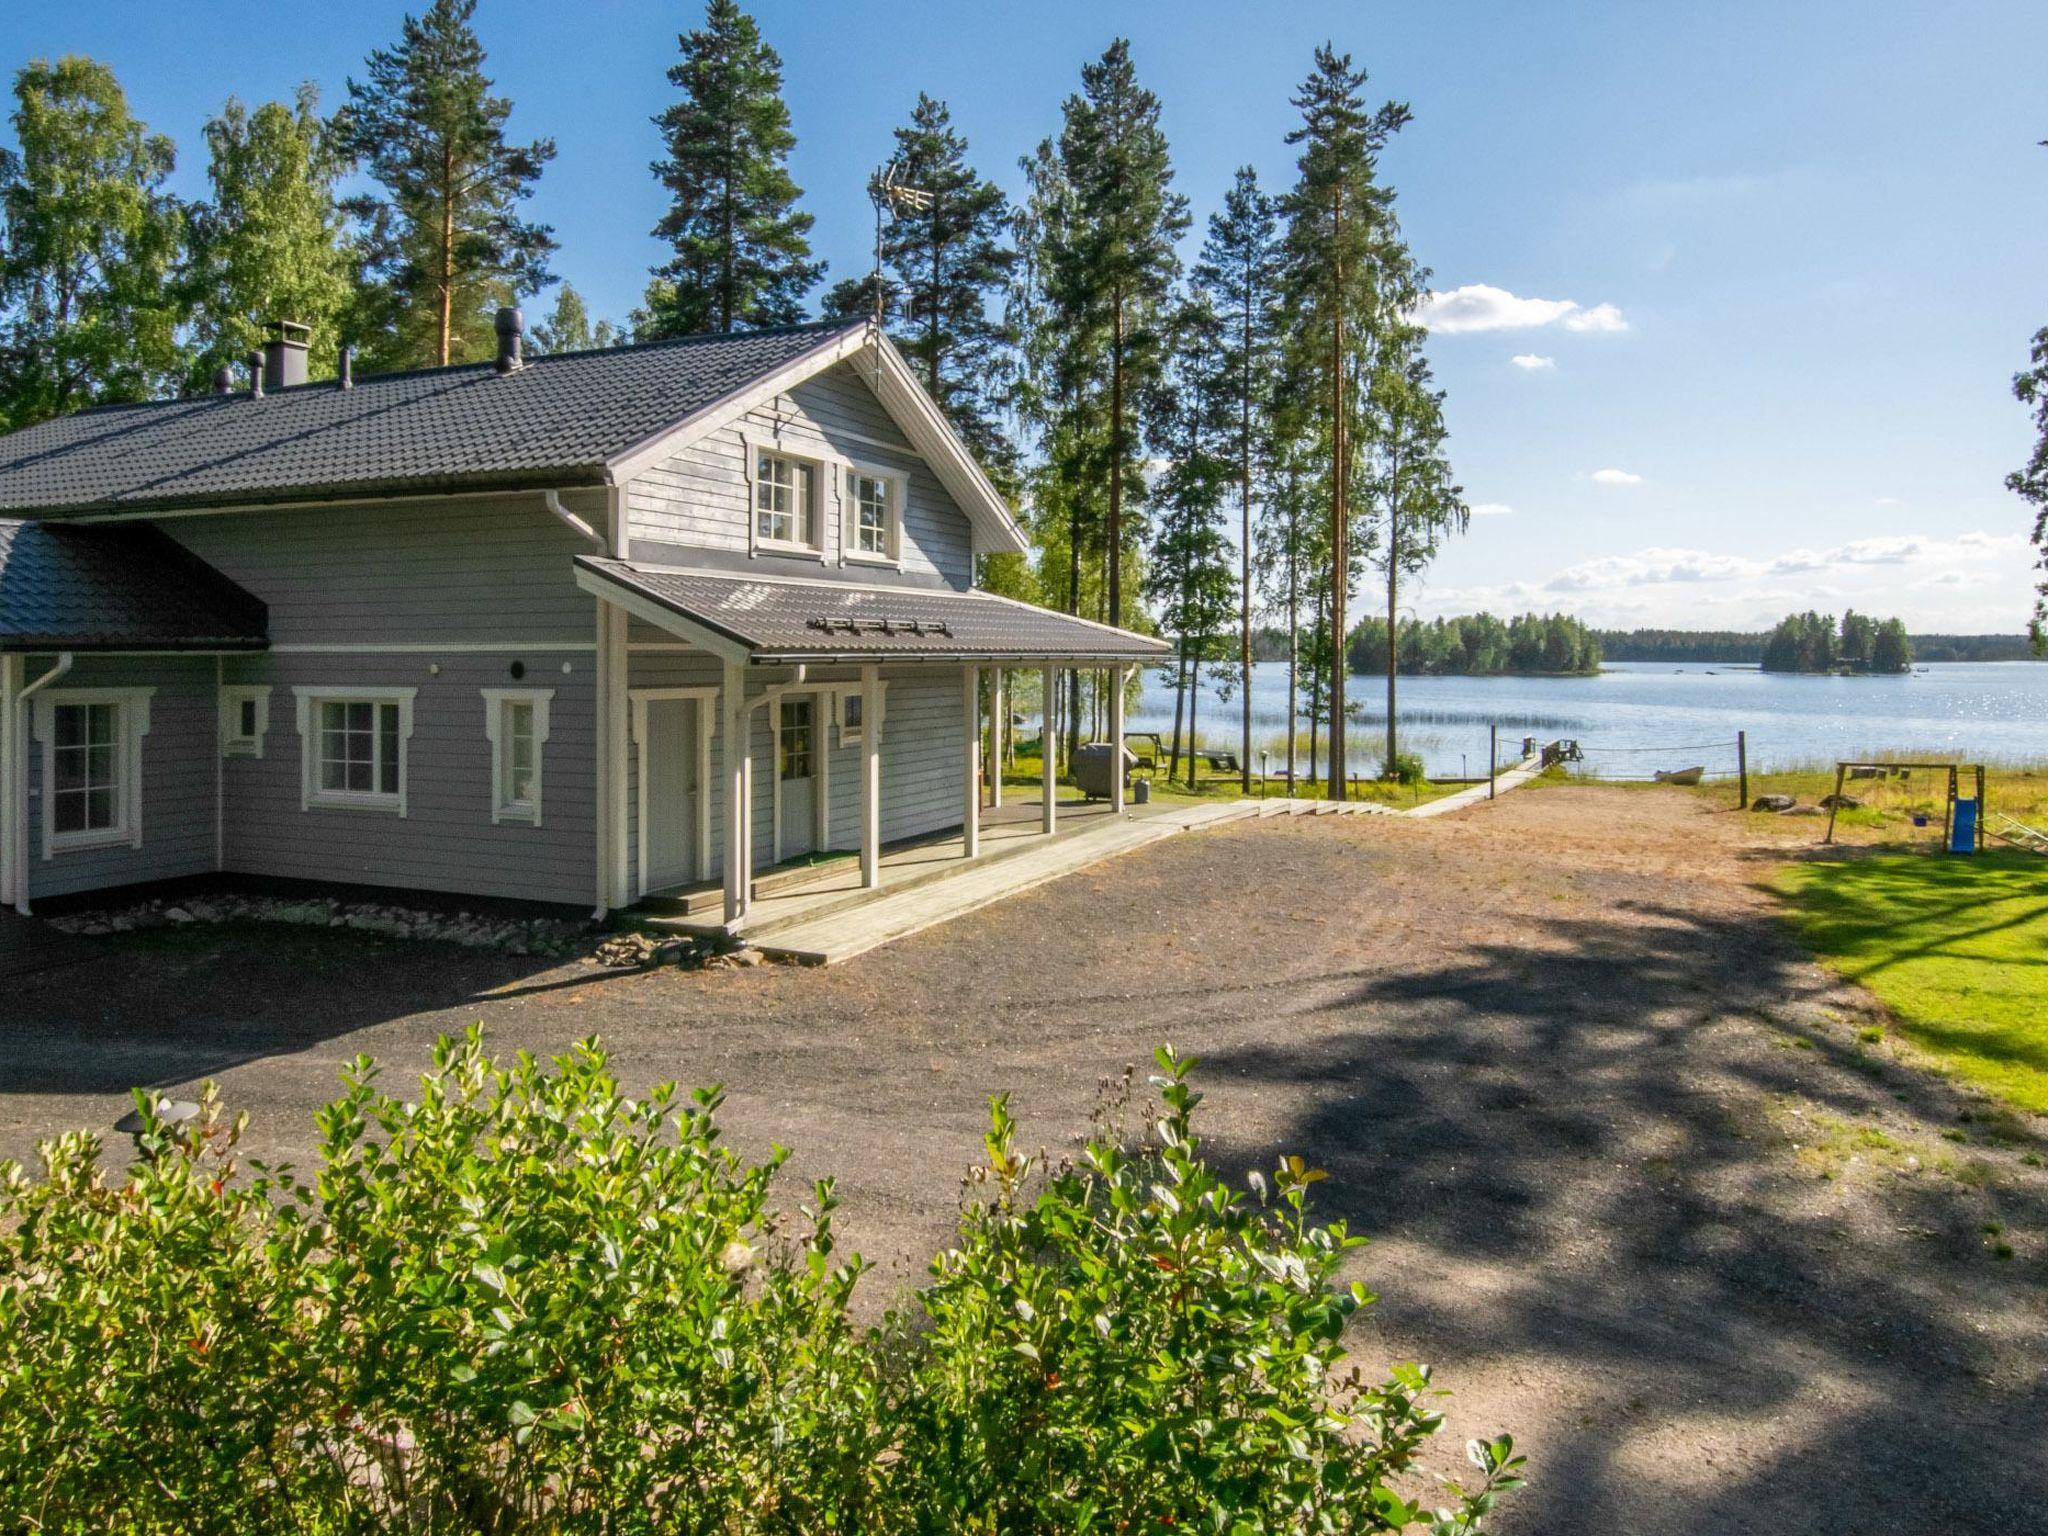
{"x":1638,"y":1184}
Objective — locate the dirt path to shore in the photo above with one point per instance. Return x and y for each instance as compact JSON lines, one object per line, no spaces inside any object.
{"x":1639,"y":1184}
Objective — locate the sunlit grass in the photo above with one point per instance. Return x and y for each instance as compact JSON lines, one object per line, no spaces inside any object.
{"x":1956,"y":947}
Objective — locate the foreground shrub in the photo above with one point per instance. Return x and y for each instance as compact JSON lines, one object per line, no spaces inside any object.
{"x":529,"y":1302}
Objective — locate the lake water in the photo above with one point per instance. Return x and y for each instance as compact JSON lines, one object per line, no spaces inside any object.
{"x":1639,"y":716}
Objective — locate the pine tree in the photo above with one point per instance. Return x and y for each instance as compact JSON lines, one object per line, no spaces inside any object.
{"x":1339,"y":300}
{"x":1408,"y":483}
{"x":568,"y":327}
{"x":444,"y":245}
{"x":1891,"y":650}
{"x":742,"y":250}
{"x":1114,"y":273}
{"x":1189,"y":577}
{"x":269,"y":244}
{"x":1239,"y":270}
{"x":942,"y":263}
{"x":89,"y":241}
{"x":2030,"y":482}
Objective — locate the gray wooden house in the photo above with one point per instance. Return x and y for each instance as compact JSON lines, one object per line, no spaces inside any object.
{"x":577,"y":629}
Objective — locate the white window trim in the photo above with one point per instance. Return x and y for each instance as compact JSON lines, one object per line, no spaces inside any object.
{"x":311,"y":796}
{"x":232,"y":742}
{"x":850,"y":735}
{"x":503,"y":808}
{"x":131,"y":724}
{"x":826,"y":473}
{"x":850,"y":552}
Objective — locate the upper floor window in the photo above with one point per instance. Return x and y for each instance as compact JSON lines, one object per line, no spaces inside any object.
{"x":782,"y":501}
{"x":875,"y":514}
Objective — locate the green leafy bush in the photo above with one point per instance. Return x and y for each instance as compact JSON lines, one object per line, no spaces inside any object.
{"x":1405,"y":768}
{"x":529,"y":1302}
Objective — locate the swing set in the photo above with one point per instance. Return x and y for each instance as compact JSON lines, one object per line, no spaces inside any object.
{"x":1962,"y":816}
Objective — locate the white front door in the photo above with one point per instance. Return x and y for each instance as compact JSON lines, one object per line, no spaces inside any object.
{"x":669,"y":759}
{"x":796,"y":776}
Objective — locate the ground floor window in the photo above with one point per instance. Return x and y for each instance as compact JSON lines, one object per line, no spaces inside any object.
{"x":355,"y":745}
{"x":516,"y":724}
{"x":92,"y":766}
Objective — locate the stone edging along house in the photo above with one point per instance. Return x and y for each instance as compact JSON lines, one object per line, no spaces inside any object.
{"x":493,"y":629}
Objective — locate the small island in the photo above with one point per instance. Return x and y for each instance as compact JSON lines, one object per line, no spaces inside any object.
{"x":1481,"y":645}
{"x":1860,"y":645}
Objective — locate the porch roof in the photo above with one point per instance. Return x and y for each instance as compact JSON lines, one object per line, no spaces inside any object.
{"x":779,"y":620}
{"x":129,"y":588}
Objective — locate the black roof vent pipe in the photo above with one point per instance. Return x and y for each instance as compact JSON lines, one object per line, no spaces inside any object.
{"x":223,"y":380}
{"x":255,"y":375}
{"x":511,"y":325}
{"x":345,"y":375}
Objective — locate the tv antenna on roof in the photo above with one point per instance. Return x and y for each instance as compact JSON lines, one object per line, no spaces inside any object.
{"x":890,"y":193}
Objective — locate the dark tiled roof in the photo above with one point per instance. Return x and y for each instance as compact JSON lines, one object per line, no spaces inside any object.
{"x":126,"y":588}
{"x":554,"y":422}
{"x":780,"y":620}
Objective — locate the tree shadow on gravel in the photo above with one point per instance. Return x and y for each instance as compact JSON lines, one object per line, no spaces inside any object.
{"x":1585,"y":1124}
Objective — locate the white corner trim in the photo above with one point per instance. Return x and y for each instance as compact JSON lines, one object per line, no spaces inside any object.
{"x":232,"y":697}
{"x":495,"y":700}
{"x":131,"y":725}
{"x":311,"y":797}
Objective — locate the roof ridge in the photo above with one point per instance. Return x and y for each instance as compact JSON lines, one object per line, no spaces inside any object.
{"x":365,"y":380}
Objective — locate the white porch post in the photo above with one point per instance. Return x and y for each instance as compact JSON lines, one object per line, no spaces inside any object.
{"x":970,"y":736}
{"x":998,"y":717}
{"x":617,"y":718}
{"x":1116,"y":740}
{"x":1048,"y":750}
{"x":870,"y":777}
{"x":10,"y":793}
{"x":733,"y":762}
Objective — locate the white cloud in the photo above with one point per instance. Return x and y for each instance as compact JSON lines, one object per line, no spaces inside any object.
{"x":1971,"y":581}
{"x":1483,"y":307}
{"x":1529,"y":362}
{"x":1601,"y":317}
{"x":1491,"y":509}
{"x":1615,"y":477}
{"x":1886,"y":501}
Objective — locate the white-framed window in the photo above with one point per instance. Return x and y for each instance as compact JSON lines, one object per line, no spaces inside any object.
{"x":353,"y":745}
{"x":516,"y":724}
{"x":244,"y":720}
{"x":783,"y":502}
{"x":92,"y":766}
{"x":791,"y":493}
{"x":848,"y":710}
{"x":874,"y":515}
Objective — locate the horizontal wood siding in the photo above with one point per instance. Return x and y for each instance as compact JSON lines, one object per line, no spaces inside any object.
{"x":699,"y":498}
{"x":446,"y":841}
{"x":921,"y":756}
{"x":177,"y":779}
{"x":479,"y":571}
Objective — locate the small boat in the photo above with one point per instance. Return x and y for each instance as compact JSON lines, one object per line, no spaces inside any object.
{"x":1680,"y":775}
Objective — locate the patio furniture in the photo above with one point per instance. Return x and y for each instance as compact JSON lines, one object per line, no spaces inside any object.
{"x":1092,"y":767}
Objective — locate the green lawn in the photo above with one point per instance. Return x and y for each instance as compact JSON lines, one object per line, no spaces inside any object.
{"x":1957,"y":948}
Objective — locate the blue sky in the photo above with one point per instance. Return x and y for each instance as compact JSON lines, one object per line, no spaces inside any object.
{"x":1768,"y":267}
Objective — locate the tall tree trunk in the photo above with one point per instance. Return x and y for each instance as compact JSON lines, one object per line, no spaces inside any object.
{"x":1315,"y":691}
{"x":1116,"y":465}
{"x":931,"y":381}
{"x":446,"y":318}
{"x":1293,"y":639}
{"x":1244,"y":590}
{"x":1340,"y":519}
{"x":1393,"y":586}
{"x":1073,"y":607}
{"x":1180,"y":682}
{"x":1194,"y":704}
